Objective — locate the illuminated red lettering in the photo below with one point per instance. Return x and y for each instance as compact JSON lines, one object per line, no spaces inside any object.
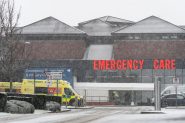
{"x":129,"y":64}
{"x":155,"y":64}
{"x":118,"y":65}
{"x":167,"y":65}
{"x":135,"y":64}
{"x":164,"y":64}
{"x":101,"y":64}
{"x":107,"y":65}
{"x":112,"y":66}
{"x":124,"y":67}
{"x":95,"y":67}
{"x":173,"y":66}
{"x":141,"y":62}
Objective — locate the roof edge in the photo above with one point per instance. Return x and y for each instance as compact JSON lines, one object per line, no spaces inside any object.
{"x":54,"y":19}
{"x":146,"y":19}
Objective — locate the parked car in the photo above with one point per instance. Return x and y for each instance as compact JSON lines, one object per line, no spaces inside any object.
{"x":172,"y":100}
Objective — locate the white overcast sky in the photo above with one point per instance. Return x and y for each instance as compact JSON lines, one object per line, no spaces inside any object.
{"x":74,"y":11}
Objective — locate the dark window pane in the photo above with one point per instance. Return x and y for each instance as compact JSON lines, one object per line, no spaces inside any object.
{"x":170,"y":72}
{"x":178,"y":72}
{"x":171,"y":96}
{"x":158,"y":72}
{"x":147,"y":72}
{"x":146,"y":79}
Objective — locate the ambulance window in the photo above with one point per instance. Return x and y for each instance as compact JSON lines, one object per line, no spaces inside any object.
{"x":67,"y":91}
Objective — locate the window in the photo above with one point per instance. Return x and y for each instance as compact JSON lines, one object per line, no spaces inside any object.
{"x":180,"y":97}
{"x":165,"y":37}
{"x":168,"y":80}
{"x":43,"y":90}
{"x":179,"y":72}
{"x":179,"y":75}
{"x":170,"y":72}
{"x":89,"y":74}
{"x":137,"y":37}
{"x":146,"y":79}
{"x":173,"y":37}
{"x":68,"y":92}
{"x":147,"y":75}
{"x":159,"y":73}
{"x":130,"y":37}
{"x":171,"y":96}
{"x":136,"y":74}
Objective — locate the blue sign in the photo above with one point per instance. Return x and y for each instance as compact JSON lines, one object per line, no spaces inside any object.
{"x":40,"y":73}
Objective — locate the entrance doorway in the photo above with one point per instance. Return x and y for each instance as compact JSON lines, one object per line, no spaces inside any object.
{"x":121,"y":97}
{"x":128,"y":98}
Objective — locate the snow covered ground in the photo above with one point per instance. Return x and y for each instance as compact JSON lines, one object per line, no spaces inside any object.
{"x":98,"y":115}
{"x":170,"y":116}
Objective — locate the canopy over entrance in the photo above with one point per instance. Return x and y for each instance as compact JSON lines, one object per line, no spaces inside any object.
{"x":115,"y":86}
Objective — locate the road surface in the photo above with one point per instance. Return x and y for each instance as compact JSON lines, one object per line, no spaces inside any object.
{"x":98,"y":115}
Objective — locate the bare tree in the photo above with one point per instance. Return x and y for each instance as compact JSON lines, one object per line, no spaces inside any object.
{"x":12,"y":48}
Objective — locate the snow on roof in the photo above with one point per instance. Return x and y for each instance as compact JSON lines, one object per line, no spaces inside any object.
{"x":103,"y":26}
{"x":108,"y":19}
{"x":114,"y":19}
{"x":49,"y":25}
{"x":98,"y":27}
{"x":151,"y":24}
{"x":99,"y":52}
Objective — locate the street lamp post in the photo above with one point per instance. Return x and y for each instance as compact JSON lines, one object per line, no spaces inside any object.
{"x":157,"y":90}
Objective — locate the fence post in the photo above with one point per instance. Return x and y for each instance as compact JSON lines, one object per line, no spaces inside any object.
{"x":34,"y":82}
{"x":66,"y":101}
{"x":76,"y":102}
{"x":85,"y":98}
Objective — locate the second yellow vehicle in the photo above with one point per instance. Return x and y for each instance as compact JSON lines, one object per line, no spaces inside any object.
{"x":68,"y":94}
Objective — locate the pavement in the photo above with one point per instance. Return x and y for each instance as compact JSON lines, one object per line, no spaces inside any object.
{"x":99,"y":115}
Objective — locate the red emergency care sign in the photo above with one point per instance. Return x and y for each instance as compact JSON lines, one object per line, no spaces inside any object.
{"x":132,"y":64}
